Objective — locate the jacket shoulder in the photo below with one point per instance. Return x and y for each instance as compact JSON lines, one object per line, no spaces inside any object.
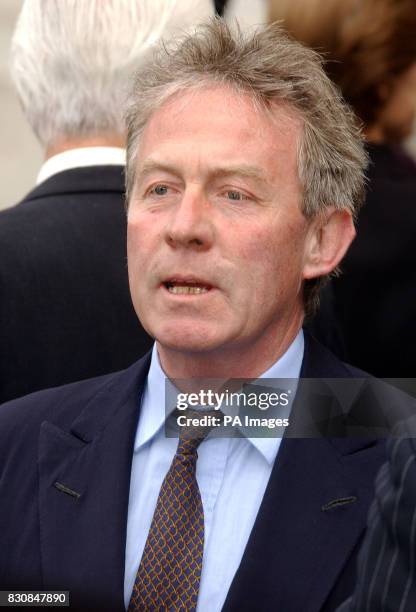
{"x":320,"y":362}
{"x":63,"y":404}
{"x":58,"y":403}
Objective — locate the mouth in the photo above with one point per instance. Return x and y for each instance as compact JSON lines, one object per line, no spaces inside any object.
{"x":186,"y":286}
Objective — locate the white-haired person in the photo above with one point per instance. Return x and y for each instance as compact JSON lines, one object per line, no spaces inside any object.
{"x":61,"y":318}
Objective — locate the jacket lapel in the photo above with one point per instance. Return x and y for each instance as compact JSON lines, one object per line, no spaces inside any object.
{"x":84,"y":476}
{"x":312,"y":515}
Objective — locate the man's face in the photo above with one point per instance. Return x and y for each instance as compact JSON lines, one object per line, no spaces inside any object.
{"x":216,"y":238}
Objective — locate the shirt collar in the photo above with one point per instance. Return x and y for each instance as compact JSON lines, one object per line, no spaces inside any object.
{"x":80,"y":158}
{"x":287,"y":367}
{"x":153,"y":415}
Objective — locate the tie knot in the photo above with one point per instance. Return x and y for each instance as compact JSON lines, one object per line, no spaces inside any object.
{"x":188,"y":446}
{"x":191,"y":436}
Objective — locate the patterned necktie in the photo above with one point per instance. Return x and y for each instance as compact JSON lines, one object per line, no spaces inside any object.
{"x":170,"y":569}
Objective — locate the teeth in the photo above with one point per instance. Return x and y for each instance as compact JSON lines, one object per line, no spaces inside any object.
{"x":177,"y":289}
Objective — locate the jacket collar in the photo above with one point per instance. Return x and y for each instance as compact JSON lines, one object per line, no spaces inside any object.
{"x":80,"y":180}
{"x":81,"y":157}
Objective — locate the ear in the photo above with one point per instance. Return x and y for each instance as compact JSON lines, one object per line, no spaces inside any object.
{"x":329,"y":237}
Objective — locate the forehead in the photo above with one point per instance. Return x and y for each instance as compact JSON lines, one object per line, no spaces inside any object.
{"x":218,"y":126}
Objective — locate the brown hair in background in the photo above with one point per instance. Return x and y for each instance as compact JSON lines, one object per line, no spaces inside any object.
{"x":367,"y":44}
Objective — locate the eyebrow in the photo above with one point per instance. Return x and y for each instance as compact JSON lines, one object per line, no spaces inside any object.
{"x":151,"y":165}
{"x":246,"y":171}
{"x":243,"y":170}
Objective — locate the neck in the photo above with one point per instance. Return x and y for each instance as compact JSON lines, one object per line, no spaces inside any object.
{"x":245,"y":360}
{"x":66,"y":144}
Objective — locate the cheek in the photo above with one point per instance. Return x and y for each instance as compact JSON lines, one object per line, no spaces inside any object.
{"x":272,"y":250}
{"x":261,"y":269}
{"x":131,"y":242}
{"x":137,"y":259}
{"x":139,"y":239}
{"x":133,"y":231}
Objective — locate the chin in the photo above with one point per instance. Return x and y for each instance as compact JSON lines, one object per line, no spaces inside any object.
{"x":188,"y":339}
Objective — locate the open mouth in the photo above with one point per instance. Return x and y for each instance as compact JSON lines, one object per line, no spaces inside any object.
{"x":185,"y":287}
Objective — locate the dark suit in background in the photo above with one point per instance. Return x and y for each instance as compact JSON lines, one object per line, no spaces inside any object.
{"x":375,"y":298}
{"x":65,"y":307}
{"x":219,"y":6}
{"x":386,"y":567}
{"x":300,"y":556}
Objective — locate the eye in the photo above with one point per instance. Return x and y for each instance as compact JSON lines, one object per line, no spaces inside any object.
{"x":159,"y":190}
{"x":234,"y":195}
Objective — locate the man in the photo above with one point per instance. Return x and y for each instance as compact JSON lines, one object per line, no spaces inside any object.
{"x":65,"y":309}
{"x":386,"y":570}
{"x":243,"y":171}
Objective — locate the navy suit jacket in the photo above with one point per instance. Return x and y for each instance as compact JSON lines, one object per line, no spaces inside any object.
{"x":65,"y":307}
{"x":65,"y":462}
{"x":386,"y":569}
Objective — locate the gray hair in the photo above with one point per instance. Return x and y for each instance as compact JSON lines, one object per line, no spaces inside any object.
{"x":271,"y":67}
{"x":72,"y":60}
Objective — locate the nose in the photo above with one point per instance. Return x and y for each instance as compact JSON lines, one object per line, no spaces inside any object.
{"x":190,"y":224}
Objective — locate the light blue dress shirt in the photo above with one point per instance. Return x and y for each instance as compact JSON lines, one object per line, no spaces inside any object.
{"x":232,"y":475}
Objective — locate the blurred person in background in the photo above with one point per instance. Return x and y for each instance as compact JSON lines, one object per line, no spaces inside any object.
{"x":61,"y":318}
{"x":386,"y":576}
{"x":370,"y":51}
{"x":219,"y":6}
